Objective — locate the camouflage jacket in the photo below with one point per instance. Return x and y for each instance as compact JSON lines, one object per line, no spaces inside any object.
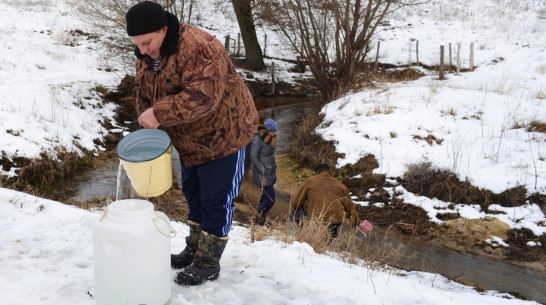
{"x":197,"y":96}
{"x":323,"y":196}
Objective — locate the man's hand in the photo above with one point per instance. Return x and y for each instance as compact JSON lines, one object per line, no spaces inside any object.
{"x":147,"y":119}
{"x":365,"y":226}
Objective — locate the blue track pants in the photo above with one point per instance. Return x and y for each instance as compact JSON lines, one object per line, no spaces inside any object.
{"x":210,"y":189}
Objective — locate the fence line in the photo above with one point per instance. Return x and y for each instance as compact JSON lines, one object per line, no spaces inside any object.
{"x":234,"y":46}
{"x":442,"y":64}
{"x":441,"y":69}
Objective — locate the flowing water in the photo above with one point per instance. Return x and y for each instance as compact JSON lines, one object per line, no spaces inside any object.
{"x":486,"y":273}
{"x":100,"y":183}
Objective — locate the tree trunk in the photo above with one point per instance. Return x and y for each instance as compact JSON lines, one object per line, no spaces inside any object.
{"x":254,"y":57}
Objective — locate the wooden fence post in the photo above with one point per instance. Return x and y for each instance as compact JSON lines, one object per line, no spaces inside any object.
{"x":441,"y":62}
{"x":410,"y":44}
{"x":377,"y":55}
{"x":226,"y":43}
{"x":417,"y":52}
{"x":265,"y":45}
{"x":450,"y":57}
{"x":300,"y":65}
{"x":472,"y":56}
{"x":189,"y":14}
{"x":458,"y":58}
{"x":238,"y":44}
{"x":272,"y":77}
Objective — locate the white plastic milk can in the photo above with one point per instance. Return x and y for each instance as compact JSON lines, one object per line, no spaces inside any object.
{"x":131,"y":248}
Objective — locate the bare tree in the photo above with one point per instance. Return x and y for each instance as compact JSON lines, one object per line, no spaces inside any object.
{"x":180,"y":8}
{"x":106,"y":15}
{"x":254,"y":56}
{"x":332,"y":36}
{"x":109,"y":17}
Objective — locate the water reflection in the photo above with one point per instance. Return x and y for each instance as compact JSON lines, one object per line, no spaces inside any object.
{"x":284,"y":111}
{"x":488,"y":274}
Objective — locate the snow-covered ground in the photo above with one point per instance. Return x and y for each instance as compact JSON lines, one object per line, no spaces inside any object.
{"x":481,"y":117}
{"x":47,"y":77}
{"x":46,"y":257}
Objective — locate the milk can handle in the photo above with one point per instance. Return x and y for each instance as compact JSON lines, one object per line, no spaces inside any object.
{"x":108,"y":202}
{"x":171,"y":234}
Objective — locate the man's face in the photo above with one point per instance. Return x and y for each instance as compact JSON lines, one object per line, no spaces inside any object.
{"x":150,"y":43}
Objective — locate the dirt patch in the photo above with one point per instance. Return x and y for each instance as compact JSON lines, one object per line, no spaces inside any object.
{"x":425,"y":180}
{"x":474,"y":232}
{"x":400,"y":75}
{"x":520,"y":249}
{"x":537,"y":126}
{"x":459,"y":234}
{"x":400,"y":216}
{"x":386,"y":214}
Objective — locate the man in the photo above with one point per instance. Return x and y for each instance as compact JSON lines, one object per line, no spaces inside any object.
{"x":187,"y":85}
{"x":324,"y":197}
{"x":264,"y":167}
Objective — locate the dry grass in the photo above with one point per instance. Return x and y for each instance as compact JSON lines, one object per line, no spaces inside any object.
{"x":426,"y":180}
{"x":371,"y":250}
{"x":307,"y":146}
{"x":542,"y":68}
{"x":309,"y":149}
{"x":399,"y":75}
{"x":537,"y":126}
{"x":451,"y":111}
{"x":541,"y":95}
{"x":44,"y":175}
{"x":430,"y":139}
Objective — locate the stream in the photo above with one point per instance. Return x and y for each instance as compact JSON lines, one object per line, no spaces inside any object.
{"x":100,"y":183}
{"x":486,"y":273}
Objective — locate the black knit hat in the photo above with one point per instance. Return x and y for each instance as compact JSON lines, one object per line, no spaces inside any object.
{"x":145,"y":17}
{"x":321,"y":166}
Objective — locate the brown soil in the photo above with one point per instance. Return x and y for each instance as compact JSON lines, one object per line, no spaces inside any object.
{"x":459,"y":234}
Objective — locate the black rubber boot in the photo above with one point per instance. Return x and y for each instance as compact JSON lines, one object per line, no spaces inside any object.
{"x":185,"y":258}
{"x":206,"y":262}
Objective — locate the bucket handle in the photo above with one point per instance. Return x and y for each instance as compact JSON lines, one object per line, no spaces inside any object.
{"x":172,"y":232}
{"x":149,"y":182}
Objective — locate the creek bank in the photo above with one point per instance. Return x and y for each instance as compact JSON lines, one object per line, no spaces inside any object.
{"x":264,"y":88}
{"x":398,"y":216}
{"x":459,"y":234}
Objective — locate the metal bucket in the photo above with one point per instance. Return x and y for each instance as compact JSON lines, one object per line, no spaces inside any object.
{"x":145,"y":155}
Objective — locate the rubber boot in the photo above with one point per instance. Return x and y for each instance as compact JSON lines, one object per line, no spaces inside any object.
{"x":185,"y":258}
{"x":206,"y":262}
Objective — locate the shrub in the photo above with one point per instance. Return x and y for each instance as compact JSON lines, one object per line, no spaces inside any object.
{"x":309,"y":147}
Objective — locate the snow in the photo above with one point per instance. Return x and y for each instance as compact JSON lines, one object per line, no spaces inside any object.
{"x":48,"y":101}
{"x":480,"y":116}
{"x":46,"y":97}
{"x":46,"y":257}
